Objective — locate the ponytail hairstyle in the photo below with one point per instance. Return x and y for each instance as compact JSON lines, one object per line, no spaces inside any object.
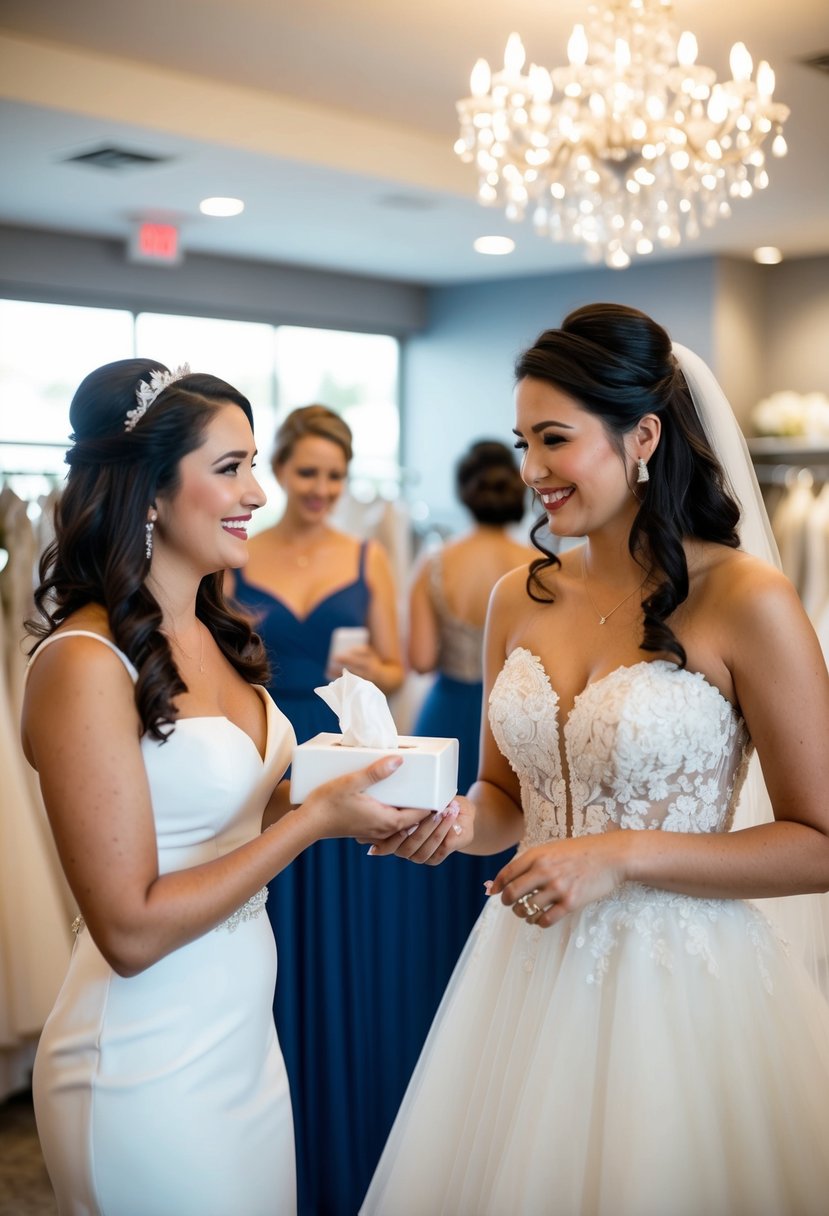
{"x":98,"y":555}
{"x":617,"y":363}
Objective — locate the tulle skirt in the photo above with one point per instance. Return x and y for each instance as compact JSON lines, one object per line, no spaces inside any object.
{"x":651,"y":1055}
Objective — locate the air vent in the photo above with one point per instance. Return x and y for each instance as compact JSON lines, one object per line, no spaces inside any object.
{"x":819,"y":62}
{"x":110,"y":156}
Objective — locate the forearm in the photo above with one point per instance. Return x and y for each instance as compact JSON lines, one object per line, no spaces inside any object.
{"x":780,"y":858}
{"x":181,"y":906}
{"x":498,"y":823}
{"x":389,"y":676}
{"x":279,"y":805}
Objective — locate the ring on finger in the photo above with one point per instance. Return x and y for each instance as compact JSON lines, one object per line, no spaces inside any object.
{"x":530,"y":907}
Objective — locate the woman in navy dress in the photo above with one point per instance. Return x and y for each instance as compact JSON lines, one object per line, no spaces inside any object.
{"x":347,"y":995}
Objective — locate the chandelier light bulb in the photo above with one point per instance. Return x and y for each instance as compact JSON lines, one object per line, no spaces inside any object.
{"x":514,"y":55}
{"x":686,"y":49}
{"x":740,"y":62}
{"x":480,"y":79}
{"x":577,"y":46}
{"x":631,"y":143}
{"x":765,"y":79}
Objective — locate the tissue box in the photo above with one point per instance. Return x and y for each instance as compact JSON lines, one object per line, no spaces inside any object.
{"x":427,"y":778}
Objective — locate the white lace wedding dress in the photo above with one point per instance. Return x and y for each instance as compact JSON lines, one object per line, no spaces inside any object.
{"x":651,"y":1055}
{"x":165,"y":1094}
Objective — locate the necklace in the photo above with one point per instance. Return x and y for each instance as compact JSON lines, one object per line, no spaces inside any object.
{"x":607,"y":615}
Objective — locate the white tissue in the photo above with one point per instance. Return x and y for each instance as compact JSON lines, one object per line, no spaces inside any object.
{"x":365,"y":718}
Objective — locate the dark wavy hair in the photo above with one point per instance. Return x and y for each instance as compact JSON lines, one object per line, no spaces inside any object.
{"x":617,"y":363}
{"x":98,"y":555}
{"x":489,"y":483}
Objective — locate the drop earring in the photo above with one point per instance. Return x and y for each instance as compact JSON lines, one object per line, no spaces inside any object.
{"x":148,"y":536}
{"x":642,"y":473}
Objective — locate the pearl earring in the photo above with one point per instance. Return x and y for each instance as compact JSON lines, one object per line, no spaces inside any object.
{"x":642,"y":473}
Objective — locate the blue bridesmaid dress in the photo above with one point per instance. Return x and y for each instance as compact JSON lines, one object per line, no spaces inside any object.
{"x":366,"y":945}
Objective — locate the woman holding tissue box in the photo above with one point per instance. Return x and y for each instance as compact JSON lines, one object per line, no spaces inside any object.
{"x":159,"y":1083}
{"x":627,"y":1034}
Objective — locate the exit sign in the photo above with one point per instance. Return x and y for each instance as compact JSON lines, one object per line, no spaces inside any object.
{"x":155,"y":244}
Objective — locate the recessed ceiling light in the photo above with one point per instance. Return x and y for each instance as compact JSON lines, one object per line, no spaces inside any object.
{"x":221,"y":206}
{"x":768,"y":255}
{"x":494,"y":244}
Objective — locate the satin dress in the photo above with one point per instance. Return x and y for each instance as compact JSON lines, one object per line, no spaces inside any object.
{"x":165,"y":1093}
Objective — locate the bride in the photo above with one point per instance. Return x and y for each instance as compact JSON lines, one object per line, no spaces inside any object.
{"x":625,"y":1034}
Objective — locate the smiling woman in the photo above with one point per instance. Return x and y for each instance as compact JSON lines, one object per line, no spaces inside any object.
{"x":159,"y":1083}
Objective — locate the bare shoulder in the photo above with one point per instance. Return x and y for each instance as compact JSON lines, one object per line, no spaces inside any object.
{"x":740,"y":584}
{"x":510,"y":592}
{"x":77,"y":683}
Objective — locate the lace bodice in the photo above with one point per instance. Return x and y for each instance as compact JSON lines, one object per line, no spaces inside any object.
{"x":647,"y":746}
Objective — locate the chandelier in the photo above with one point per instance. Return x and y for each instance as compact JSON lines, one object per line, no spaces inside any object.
{"x":632,"y":145}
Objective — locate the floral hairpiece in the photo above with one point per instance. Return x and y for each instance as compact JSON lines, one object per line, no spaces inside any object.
{"x":146,"y":393}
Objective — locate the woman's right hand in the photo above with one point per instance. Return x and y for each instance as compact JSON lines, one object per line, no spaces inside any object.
{"x":344,"y":806}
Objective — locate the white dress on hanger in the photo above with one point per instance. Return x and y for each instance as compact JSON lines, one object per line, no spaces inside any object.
{"x":165,"y":1094}
{"x":653,"y":1054}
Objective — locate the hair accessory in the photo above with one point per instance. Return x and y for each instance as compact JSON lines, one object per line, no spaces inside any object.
{"x":147,"y":392}
{"x":642,"y":473}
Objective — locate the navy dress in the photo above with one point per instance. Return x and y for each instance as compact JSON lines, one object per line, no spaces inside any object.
{"x":366,"y":945}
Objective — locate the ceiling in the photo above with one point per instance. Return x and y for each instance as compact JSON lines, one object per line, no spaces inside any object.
{"x":334,"y":120}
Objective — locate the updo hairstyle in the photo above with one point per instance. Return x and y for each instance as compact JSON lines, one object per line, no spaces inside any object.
{"x":617,"y":363}
{"x":489,"y":484}
{"x":98,"y":555}
{"x":316,"y":420}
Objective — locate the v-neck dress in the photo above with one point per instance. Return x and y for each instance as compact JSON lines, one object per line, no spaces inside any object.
{"x":165,"y":1093}
{"x":650,"y":1054}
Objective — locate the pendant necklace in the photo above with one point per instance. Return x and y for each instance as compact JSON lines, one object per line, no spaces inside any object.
{"x":607,"y":615}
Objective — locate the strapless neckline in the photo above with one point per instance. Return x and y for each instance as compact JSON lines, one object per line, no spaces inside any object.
{"x":620,"y":672}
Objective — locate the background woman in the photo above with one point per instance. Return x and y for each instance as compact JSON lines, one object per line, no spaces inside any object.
{"x":625,"y":1034}
{"x":159,"y":1084}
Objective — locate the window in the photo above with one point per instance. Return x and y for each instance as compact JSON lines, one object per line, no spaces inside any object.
{"x":47,"y":349}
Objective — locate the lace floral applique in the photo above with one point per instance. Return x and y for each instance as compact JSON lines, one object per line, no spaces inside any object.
{"x":660,"y":918}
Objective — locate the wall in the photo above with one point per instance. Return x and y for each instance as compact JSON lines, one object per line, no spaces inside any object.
{"x":797,"y":326}
{"x":63,"y":268}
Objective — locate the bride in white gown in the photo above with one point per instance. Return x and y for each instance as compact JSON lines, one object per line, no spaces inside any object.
{"x":159,"y":1085}
{"x":625,"y":1034}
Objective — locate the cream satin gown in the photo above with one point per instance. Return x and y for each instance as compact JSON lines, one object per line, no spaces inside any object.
{"x":165,"y":1094}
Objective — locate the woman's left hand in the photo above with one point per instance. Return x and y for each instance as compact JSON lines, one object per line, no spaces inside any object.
{"x":546,"y":882}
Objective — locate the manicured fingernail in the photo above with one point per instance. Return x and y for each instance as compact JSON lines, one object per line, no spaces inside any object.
{"x":437,"y":816}
{"x":488,"y":885}
{"x":410,"y":831}
{"x":456,"y":828}
{"x":372,"y":851}
{"x":393,"y":762}
{"x":452,"y":811}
